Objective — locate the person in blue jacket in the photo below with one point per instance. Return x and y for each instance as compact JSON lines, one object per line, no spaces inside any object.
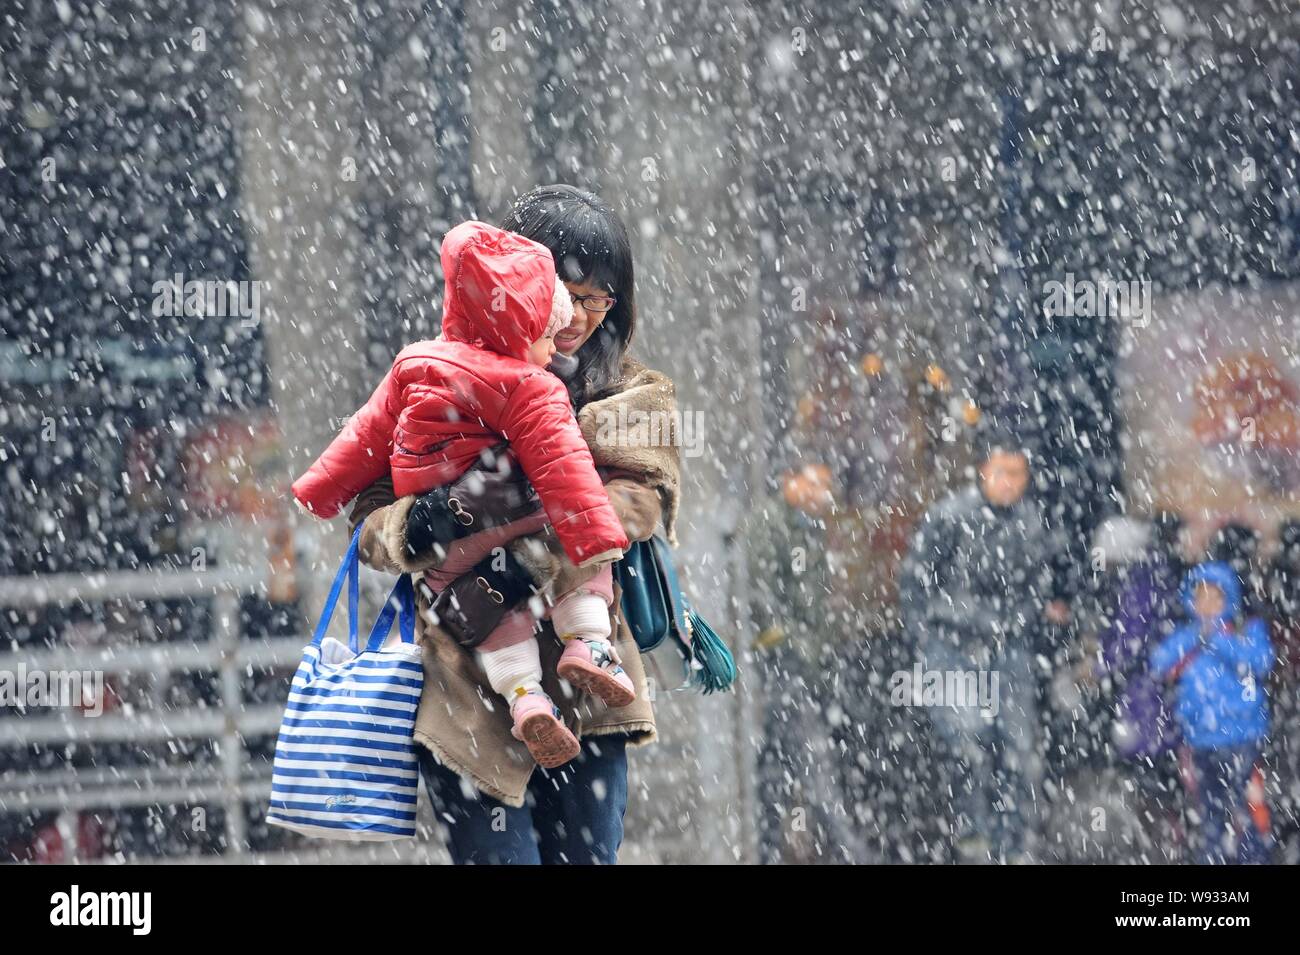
{"x":1218,"y":661}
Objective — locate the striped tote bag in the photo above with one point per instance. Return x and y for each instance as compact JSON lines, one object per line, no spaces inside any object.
{"x":345,"y":762}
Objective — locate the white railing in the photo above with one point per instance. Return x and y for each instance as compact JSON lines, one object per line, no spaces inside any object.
{"x":232,"y":782}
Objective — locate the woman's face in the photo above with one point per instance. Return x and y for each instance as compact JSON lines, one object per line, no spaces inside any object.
{"x":585,"y":321}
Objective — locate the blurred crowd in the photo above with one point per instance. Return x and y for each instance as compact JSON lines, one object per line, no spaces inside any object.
{"x":1144,"y":707}
{"x":1146,"y":662}
{"x":1188,"y":662}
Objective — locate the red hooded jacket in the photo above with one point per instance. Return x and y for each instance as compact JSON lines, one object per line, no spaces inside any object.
{"x":444,"y":402}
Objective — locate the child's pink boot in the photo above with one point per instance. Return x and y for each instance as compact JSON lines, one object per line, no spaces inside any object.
{"x":538,"y":725}
{"x":592,"y":666}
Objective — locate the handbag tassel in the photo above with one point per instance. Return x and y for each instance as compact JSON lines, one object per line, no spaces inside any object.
{"x":714,"y":668}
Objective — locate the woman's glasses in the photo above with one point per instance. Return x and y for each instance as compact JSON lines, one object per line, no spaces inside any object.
{"x":594,"y":303}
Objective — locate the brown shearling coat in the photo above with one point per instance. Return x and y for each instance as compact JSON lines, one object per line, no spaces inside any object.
{"x":460,"y":720}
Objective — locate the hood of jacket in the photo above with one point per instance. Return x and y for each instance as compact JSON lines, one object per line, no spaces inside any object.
{"x":499,"y":288}
{"x":1221,"y":576}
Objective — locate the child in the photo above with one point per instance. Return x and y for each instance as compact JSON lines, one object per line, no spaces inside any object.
{"x":1219,"y":667}
{"x":443,"y":404}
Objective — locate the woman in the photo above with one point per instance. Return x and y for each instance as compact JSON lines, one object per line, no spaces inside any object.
{"x":498,"y":806}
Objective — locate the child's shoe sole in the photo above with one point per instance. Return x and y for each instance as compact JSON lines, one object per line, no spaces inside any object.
{"x":590,"y":678}
{"x":548,"y":740}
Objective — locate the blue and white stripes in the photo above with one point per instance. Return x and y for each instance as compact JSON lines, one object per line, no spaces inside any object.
{"x":345,"y":762}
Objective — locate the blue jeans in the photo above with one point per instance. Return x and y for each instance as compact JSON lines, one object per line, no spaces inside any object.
{"x":1222,"y":776}
{"x":572,"y":815}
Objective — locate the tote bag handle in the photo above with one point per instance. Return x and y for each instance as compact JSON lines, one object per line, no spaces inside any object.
{"x":400,"y":604}
{"x":349,"y":570}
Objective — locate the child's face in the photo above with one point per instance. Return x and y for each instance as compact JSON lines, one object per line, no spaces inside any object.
{"x":541,"y":352}
{"x":1208,"y":601}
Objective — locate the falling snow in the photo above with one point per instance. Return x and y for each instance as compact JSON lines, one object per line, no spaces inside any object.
{"x":874,"y":244}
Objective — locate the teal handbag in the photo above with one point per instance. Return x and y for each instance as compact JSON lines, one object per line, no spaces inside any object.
{"x":656,"y":610}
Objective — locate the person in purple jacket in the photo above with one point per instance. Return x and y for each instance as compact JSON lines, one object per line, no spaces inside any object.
{"x":1218,"y":662}
{"x":1146,"y":610}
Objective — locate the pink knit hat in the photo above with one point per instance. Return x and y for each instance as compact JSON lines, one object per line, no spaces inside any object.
{"x":561,"y":310}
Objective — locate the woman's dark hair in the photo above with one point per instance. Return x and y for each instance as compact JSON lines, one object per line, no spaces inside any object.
{"x":590,"y":244}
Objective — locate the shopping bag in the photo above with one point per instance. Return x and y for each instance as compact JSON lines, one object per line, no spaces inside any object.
{"x":345,"y":763}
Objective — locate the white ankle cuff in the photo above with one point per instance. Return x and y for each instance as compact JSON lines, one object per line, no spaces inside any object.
{"x":513,"y":667}
{"x":583,"y":615}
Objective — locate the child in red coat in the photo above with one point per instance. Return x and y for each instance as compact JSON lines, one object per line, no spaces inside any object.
{"x":441,"y":405}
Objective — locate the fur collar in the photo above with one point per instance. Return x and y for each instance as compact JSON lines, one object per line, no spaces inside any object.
{"x":636,"y":430}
